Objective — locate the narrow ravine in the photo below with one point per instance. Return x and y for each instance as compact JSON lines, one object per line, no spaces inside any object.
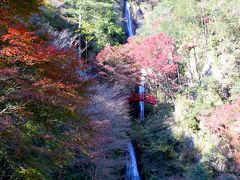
{"x":132,"y":169}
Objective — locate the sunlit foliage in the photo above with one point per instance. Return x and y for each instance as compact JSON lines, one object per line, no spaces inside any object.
{"x":154,"y":55}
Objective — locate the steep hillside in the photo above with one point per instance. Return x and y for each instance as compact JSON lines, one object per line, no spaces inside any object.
{"x":194,"y":132}
{"x":79,"y":99}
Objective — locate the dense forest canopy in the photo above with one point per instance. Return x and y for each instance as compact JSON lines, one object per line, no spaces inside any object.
{"x":68,"y":69}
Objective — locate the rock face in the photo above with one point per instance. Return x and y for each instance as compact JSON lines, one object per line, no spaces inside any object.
{"x":139,"y":8}
{"x":119,"y":9}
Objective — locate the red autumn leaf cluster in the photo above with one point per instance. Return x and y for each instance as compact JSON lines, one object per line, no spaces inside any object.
{"x":57,"y":69}
{"x":40,"y":96}
{"x":189,"y":46}
{"x":7,"y":71}
{"x":155,"y":54}
{"x":21,"y":45}
{"x":206,"y":20}
{"x":223,"y":121}
{"x":50,"y":73}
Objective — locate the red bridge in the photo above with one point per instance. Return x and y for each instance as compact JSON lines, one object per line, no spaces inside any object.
{"x":144,"y":97}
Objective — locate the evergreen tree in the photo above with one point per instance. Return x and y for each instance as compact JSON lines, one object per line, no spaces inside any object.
{"x":96,"y":21}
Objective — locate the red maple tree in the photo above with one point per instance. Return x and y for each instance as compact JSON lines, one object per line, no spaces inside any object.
{"x":56,"y":69}
{"x":40,"y":91}
{"x":155,"y":54}
{"x":223,"y":121}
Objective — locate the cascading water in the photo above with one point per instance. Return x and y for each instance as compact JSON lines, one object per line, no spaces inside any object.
{"x":128,"y":17}
{"x":131,"y":33}
{"x":132,"y":169}
{"x":141,"y":94}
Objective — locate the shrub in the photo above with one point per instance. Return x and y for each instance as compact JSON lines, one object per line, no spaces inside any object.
{"x":198,"y":172}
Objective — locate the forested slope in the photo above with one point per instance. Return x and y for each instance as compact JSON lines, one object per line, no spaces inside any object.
{"x":190,"y":53}
{"x":204,"y":131}
{"x":67,"y":71}
{"x":46,"y":129}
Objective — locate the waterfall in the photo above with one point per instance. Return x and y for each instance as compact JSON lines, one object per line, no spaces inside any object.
{"x":141,"y":93}
{"x":128,"y":16}
{"x":129,"y":22}
{"x":132,"y":169}
{"x":141,"y":103}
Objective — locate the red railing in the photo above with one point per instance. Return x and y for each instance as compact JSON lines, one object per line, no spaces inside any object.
{"x":144,"y":97}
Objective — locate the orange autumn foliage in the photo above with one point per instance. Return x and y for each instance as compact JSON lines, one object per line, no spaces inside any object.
{"x":40,"y":98}
{"x":21,"y":45}
{"x":55,"y":78}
